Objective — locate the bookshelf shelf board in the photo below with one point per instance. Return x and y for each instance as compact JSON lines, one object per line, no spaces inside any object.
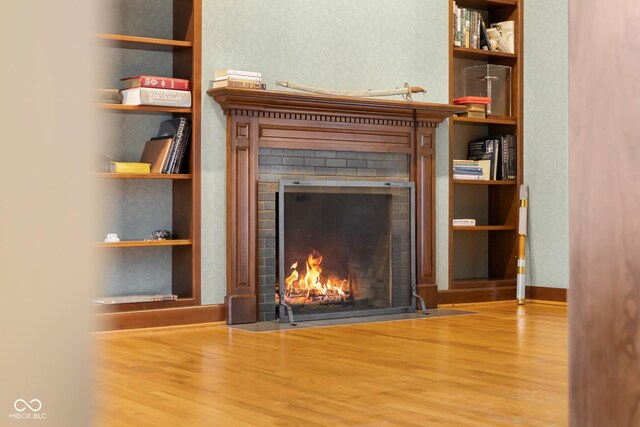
{"x":483,"y":182}
{"x":483,"y":282}
{"x":144,"y":175}
{"x":485,"y":4}
{"x":143,"y":108}
{"x":143,"y":243}
{"x":142,"y":43}
{"x":469,"y":53}
{"x":495,"y":120}
{"x":485,"y":228}
{"x":135,"y":306}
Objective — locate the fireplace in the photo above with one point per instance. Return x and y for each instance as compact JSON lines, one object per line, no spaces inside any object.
{"x":345,"y":249}
{"x":319,"y":137}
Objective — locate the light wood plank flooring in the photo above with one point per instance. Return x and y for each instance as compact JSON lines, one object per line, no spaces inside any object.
{"x":505,"y":366}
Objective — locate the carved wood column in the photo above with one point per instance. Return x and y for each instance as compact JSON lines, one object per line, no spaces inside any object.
{"x":241,"y":219}
{"x":424,"y":166}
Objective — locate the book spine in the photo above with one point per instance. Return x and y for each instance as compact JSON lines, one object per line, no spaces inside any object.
{"x":165,"y":97}
{"x":471,"y":177}
{"x":237,"y":77}
{"x":158,"y":97}
{"x":239,"y":84}
{"x":467,"y":169}
{"x":163,"y":83}
{"x":182,"y":148}
{"x":173,"y":150}
{"x":513,"y":175}
{"x":221,"y":73}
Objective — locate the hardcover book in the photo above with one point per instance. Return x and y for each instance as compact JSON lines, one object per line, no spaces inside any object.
{"x":245,"y":84}
{"x":155,"y":96}
{"x":179,"y":130}
{"x":155,"y":81}
{"x":130,"y":167}
{"x":156,"y":152}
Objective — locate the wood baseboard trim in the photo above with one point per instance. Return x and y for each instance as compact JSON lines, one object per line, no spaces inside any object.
{"x":459,"y":296}
{"x":541,"y":293}
{"x":163,"y":317}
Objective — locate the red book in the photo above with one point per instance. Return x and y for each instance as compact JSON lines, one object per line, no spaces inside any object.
{"x":472,"y":100}
{"x":155,"y":82}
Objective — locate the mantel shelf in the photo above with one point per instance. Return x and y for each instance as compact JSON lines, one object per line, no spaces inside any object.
{"x":302,"y":102}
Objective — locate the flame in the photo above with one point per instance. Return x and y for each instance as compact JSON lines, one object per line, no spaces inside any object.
{"x":309,"y":287}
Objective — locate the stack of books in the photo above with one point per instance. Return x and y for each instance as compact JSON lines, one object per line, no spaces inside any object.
{"x":476,"y":106}
{"x":154,"y":90}
{"x":500,"y":151}
{"x":164,"y":153}
{"x":472,"y":169}
{"x":238,"y":78}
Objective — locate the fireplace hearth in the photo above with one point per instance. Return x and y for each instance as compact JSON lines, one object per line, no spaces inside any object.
{"x":345,"y":249}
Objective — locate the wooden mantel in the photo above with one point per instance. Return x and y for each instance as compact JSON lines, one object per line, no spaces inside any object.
{"x":295,"y":120}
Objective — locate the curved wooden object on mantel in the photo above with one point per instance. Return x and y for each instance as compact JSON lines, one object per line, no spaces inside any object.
{"x":294,"y":120}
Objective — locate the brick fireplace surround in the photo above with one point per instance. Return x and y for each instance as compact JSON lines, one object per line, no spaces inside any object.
{"x":274,"y":135}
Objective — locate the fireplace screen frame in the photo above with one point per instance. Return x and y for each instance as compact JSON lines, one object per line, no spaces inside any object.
{"x":283,"y":315}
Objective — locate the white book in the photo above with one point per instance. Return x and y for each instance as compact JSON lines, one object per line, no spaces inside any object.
{"x":155,"y":96}
{"x":237,"y":77}
{"x":467,"y":222}
{"x":468,"y":177}
{"x":220,"y":73}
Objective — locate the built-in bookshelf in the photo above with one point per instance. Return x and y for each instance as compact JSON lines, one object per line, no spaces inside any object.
{"x":483,"y":258}
{"x":158,"y":38}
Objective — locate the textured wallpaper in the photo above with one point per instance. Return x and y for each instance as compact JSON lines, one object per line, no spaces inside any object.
{"x":546,"y":138}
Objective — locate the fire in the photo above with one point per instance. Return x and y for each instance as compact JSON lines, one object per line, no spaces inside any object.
{"x":312,"y":287}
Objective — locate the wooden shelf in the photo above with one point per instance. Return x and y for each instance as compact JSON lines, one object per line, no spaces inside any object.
{"x":479,"y":54}
{"x":144,"y":175}
{"x":486,"y":4}
{"x":495,"y":120}
{"x":143,"y":243}
{"x":483,"y":182}
{"x":142,"y":43}
{"x":143,"y":108}
{"x":483,"y":282}
{"x":484,"y":228}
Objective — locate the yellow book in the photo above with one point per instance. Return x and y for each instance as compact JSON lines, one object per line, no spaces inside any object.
{"x":130,"y":167}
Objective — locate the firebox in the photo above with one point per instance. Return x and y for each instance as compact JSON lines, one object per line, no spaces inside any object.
{"x":345,"y":249}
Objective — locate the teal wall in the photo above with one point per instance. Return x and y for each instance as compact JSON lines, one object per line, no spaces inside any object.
{"x":364,"y":44}
{"x":546,"y":135}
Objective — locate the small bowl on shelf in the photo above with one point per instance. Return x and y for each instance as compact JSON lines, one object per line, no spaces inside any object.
{"x":160,"y":234}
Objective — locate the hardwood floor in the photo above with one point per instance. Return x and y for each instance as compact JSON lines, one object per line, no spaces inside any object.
{"x":505,"y":366}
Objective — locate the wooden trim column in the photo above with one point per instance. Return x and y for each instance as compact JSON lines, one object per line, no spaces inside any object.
{"x":242,"y":157}
{"x":424,"y":166}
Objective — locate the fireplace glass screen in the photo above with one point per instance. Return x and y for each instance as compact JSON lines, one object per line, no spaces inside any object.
{"x":345,"y":248}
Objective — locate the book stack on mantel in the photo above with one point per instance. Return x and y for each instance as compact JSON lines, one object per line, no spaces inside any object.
{"x":154,"y":90}
{"x":476,"y":106}
{"x":238,"y":79}
{"x":164,"y":153}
